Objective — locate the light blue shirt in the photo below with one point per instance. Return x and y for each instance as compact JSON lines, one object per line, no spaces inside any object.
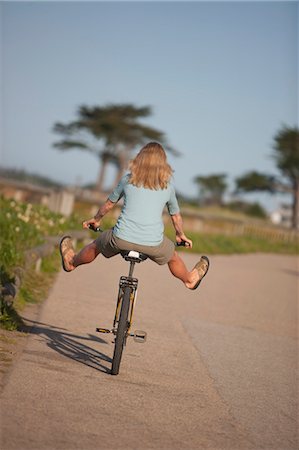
{"x":141,"y":220}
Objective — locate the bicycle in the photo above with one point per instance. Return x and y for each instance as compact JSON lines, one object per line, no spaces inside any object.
{"x":127,"y":294}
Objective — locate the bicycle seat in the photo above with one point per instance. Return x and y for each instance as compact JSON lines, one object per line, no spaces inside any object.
{"x":133,"y":256}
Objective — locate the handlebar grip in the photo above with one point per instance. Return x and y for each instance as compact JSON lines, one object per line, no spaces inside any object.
{"x":182,"y":244}
{"x":93,"y":228}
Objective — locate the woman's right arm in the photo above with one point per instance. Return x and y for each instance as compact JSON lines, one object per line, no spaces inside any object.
{"x":113,"y":198}
{"x":103,"y":210}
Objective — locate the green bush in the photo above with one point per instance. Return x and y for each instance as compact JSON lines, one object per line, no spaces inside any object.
{"x":24,"y":226}
{"x":250,"y":209}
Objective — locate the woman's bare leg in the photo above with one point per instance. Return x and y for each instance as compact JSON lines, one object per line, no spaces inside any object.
{"x":86,"y":255}
{"x":73,"y":260}
{"x":178,"y":268}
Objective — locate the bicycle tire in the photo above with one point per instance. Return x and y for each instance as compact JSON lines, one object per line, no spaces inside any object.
{"x":121,"y":333}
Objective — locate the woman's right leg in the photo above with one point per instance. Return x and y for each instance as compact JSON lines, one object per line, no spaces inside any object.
{"x":70,"y":260}
{"x":86,"y":255}
{"x":103,"y":244}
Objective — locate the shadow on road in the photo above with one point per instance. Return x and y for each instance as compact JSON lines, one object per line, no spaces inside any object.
{"x":291,"y":272}
{"x":70,"y":345}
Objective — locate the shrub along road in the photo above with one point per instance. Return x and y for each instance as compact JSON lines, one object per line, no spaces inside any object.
{"x":217,"y":370}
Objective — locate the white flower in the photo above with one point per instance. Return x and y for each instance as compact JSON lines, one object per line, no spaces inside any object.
{"x":28,"y":210}
{"x":23,"y":218}
{"x":17,"y":229}
{"x":8,"y":215}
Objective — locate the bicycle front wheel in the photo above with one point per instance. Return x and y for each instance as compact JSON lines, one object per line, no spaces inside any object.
{"x":122,"y":329}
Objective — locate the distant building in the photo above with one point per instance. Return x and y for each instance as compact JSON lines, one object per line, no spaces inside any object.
{"x":57,"y":199}
{"x":282,"y":215}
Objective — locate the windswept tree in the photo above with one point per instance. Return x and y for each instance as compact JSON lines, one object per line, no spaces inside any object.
{"x":211,"y":188}
{"x":255,"y":182}
{"x":110,"y":133}
{"x":286,"y":156}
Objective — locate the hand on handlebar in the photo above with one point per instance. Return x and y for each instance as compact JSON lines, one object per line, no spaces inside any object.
{"x":183,"y":241}
{"x":92,"y":224}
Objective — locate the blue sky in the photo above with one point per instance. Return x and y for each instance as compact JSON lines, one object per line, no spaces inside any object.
{"x":221,"y":78}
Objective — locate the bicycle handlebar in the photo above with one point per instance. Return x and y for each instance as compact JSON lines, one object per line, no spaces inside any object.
{"x":93,"y":228}
{"x":182,"y":244}
{"x":98,"y":229}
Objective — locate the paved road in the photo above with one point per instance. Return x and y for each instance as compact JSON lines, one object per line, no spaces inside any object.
{"x":218,"y":370}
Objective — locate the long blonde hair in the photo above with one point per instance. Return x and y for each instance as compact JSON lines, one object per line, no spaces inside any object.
{"x":150,"y":169}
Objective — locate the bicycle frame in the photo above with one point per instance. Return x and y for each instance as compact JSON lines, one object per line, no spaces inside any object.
{"x":126,"y":298}
{"x":132,"y":283}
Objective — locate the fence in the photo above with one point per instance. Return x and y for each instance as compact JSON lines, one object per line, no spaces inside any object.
{"x":209,"y":224}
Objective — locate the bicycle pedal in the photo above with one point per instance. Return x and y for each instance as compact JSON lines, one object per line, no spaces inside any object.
{"x":103,"y":330}
{"x":139,"y":336}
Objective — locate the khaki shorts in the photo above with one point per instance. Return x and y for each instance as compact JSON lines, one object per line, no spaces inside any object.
{"x":110,"y":245}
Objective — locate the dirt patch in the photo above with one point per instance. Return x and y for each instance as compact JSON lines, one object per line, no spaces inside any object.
{"x":12,"y":344}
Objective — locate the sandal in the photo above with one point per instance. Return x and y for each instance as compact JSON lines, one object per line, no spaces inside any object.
{"x":64,"y":246}
{"x":202,"y":268}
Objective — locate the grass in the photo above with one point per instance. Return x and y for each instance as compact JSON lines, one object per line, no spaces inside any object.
{"x":222,"y":212}
{"x":227,"y":245}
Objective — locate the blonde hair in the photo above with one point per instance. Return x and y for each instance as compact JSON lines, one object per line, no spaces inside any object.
{"x":149,"y":169}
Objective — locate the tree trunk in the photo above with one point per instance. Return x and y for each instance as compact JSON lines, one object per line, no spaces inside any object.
{"x":101,"y":176}
{"x":295,"y":205}
{"x":123,"y":158}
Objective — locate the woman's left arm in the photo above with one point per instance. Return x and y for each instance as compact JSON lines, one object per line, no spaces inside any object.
{"x":180,"y":236}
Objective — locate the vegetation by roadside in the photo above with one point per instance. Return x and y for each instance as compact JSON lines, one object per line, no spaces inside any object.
{"x":34,"y":289}
{"x":24,"y":226}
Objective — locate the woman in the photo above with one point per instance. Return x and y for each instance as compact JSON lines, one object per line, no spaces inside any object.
{"x":145,"y":190}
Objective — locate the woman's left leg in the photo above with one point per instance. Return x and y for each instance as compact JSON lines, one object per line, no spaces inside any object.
{"x":178,"y":268}
{"x":190,"y":279}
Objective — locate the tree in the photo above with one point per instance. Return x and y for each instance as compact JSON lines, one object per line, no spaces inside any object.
{"x":211,"y":188}
{"x":251,"y":209}
{"x":110,"y":133}
{"x":286,"y":156}
{"x":255,"y":181}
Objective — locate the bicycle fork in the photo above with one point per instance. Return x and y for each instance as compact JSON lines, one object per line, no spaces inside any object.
{"x":132,"y":283}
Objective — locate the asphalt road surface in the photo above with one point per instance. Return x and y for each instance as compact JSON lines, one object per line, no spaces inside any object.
{"x":218,"y":370}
